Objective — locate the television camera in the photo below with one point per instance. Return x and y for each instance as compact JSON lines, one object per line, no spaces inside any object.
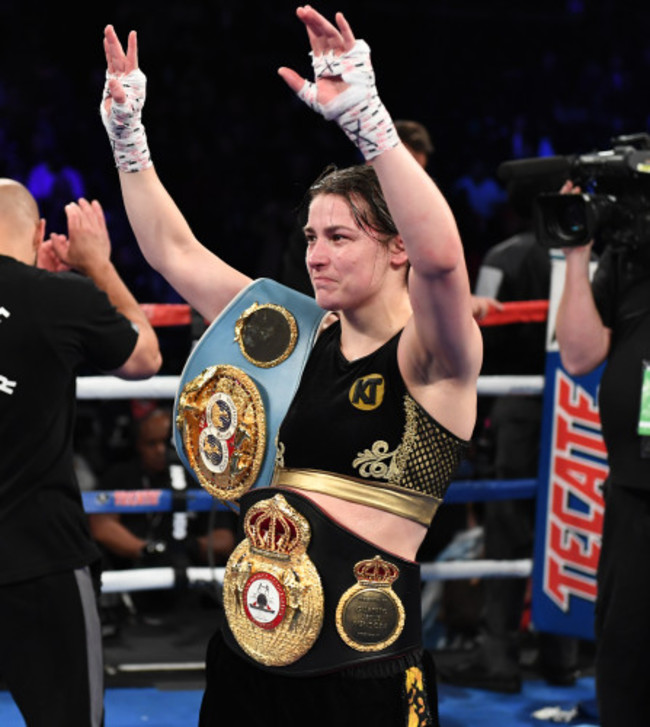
{"x":613,"y":207}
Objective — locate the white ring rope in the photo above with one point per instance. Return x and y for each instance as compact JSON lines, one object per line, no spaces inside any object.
{"x":146,"y":579}
{"x":138,"y":579}
{"x":110,"y":387}
{"x":461,"y":569}
{"x":510,"y":385}
{"x":165,"y":387}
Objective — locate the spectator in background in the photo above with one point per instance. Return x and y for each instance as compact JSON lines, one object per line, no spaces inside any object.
{"x":484,"y":194}
{"x":152,"y":539}
{"x":478,"y":201}
{"x":416,"y":139}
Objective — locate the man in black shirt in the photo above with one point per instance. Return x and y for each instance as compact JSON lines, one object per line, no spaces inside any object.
{"x":609,"y":320}
{"x":51,"y":324}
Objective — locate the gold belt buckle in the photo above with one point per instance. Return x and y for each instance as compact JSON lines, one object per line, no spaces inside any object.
{"x":273,"y":597}
{"x":370,"y":615}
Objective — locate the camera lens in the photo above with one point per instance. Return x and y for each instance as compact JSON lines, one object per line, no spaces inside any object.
{"x":570,"y":219}
{"x":566,"y":220}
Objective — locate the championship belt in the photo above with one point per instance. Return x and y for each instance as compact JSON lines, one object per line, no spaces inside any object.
{"x":238,"y":383}
{"x":304,"y":596}
{"x":272,"y":595}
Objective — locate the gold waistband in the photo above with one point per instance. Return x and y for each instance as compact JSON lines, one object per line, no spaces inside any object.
{"x":411,"y":505}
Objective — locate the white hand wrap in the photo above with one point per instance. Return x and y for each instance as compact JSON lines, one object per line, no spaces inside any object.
{"x":123,"y":122}
{"x":358,"y":110}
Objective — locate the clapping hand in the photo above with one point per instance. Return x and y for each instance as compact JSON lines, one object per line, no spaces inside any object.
{"x":87,"y":244}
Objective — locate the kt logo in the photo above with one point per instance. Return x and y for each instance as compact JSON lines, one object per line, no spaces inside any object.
{"x":367,"y":393}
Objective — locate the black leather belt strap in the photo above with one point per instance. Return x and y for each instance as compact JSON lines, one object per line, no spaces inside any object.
{"x":335,"y":550}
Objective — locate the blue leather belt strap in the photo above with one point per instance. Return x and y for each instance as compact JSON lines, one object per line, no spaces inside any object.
{"x":277,"y":384}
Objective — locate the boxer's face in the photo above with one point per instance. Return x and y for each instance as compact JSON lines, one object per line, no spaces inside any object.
{"x":346,"y":264}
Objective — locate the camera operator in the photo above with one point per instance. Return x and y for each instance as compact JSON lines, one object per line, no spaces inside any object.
{"x":608,"y":319}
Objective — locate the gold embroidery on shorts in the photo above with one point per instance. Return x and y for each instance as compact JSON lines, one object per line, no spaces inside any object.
{"x":419,"y":714}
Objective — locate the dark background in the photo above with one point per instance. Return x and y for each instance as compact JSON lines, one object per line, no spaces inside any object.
{"x":492,"y":80}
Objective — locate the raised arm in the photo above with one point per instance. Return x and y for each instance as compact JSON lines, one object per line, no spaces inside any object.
{"x":442,"y":340}
{"x":583,"y":339}
{"x":205,"y":281}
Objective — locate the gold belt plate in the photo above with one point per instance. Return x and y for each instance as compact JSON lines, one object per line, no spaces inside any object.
{"x":370,"y":616}
{"x":273,"y":596}
{"x":222,"y":421}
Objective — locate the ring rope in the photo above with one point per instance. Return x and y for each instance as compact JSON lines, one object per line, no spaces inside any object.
{"x":146,"y":579}
{"x":165,"y":387}
{"x":199,"y":500}
{"x":521,"y":311}
{"x":162,"y":315}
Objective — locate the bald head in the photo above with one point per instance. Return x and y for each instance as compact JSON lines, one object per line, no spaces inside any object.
{"x":19,"y":221}
{"x":18,"y":208}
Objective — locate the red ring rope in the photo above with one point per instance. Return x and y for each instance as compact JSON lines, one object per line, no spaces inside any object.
{"x":161,"y":315}
{"x":522,"y":311}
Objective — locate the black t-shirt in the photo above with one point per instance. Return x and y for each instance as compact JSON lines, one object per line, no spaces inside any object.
{"x":621,"y":287}
{"x":50,"y":325}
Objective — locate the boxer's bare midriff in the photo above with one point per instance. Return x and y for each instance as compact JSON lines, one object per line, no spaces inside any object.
{"x":390,"y":532}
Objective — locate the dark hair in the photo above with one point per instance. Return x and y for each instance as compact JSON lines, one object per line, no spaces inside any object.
{"x":138,"y":422}
{"x":415,"y":135}
{"x":359,"y":186}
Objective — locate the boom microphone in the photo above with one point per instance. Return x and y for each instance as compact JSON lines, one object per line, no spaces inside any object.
{"x":520,"y":169}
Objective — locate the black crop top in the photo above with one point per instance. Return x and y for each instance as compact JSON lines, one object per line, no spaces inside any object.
{"x":356,"y":420}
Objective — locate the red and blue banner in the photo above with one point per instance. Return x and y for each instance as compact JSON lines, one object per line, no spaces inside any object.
{"x":570,"y":507}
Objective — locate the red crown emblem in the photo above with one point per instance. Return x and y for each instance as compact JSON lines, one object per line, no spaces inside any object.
{"x":276,"y":529}
{"x":376,"y":572}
